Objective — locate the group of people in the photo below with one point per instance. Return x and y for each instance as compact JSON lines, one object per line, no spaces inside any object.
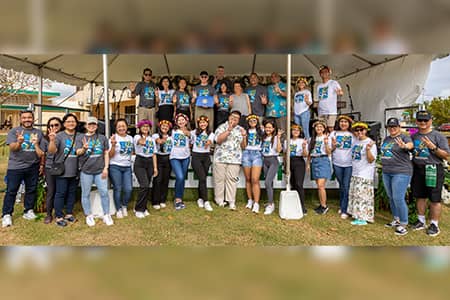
{"x":244,"y":137}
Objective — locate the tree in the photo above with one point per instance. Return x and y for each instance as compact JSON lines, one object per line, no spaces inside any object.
{"x":440,"y":109}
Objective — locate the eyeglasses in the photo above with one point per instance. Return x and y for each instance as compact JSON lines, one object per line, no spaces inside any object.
{"x":148,"y":74}
{"x":358,"y":130}
{"x":424,"y":121}
{"x":54,"y":125}
{"x":252,"y":120}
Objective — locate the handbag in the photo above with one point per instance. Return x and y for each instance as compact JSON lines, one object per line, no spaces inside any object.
{"x":58,"y":168}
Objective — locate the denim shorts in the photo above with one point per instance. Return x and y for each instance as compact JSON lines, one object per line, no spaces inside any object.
{"x":252,"y":158}
{"x":321,"y":167}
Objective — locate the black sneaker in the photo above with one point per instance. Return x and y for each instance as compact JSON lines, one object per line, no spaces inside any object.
{"x":418,"y":226}
{"x":433,"y":230}
{"x":392,"y":224}
{"x":400,"y":230}
{"x":320,"y":210}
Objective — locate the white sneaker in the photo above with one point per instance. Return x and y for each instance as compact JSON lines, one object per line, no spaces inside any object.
{"x":163,"y":205}
{"x":108,"y":220}
{"x":232,"y":206}
{"x":208,"y":206}
{"x":90,"y":221}
{"x":146,"y":213}
{"x":269,"y":209}
{"x":157,"y":207}
{"x":249,"y":204}
{"x":222,"y":204}
{"x":6,"y":221}
{"x":201,"y":203}
{"x":140,"y":215}
{"x":344,"y":216}
{"x":255,"y":208}
{"x":124,"y":211}
{"x":29,"y":215}
{"x":119,"y":214}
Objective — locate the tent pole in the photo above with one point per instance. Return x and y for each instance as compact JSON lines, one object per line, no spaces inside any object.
{"x":288,"y":120}
{"x":106,"y":95}
{"x":91,"y":97}
{"x":39,"y":108}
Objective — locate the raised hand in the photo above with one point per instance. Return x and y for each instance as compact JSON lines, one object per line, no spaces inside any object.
{"x":333,"y":141}
{"x":113,"y":140}
{"x":34,"y":139}
{"x":86,"y":143}
{"x":280,"y":132}
{"x":400,"y":142}
{"x":243,"y":131}
{"x":369,"y":146}
{"x":208,"y":143}
{"x":132,"y":86}
{"x":20,"y":137}
{"x":325,"y":139}
{"x":428,"y":142}
{"x":263,"y":99}
{"x":305,"y":143}
{"x":51,"y":133}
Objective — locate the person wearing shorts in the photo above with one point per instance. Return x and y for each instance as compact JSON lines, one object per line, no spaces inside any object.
{"x":327,"y":92}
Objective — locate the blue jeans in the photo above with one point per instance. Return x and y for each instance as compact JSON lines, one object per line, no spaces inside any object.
{"x":66,"y":189}
{"x":395,"y":186}
{"x":303,"y":120}
{"x":121,"y":179}
{"x":86,"y":181}
{"x":14,"y":179}
{"x":343,"y":175}
{"x":179,"y":167}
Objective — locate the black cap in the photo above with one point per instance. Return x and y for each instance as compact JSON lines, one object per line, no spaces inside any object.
{"x":423,"y":115}
{"x":203,"y":73}
{"x":392,"y":122}
{"x":322,"y":67}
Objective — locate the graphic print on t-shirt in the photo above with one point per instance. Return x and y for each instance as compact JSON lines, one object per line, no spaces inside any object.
{"x":183,"y":99}
{"x":67,"y":146}
{"x":179,"y":140}
{"x":27,"y":145}
{"x":317,"y":147}
{"x":252,"y":95}
{"x":95,"y":148}
{"x":167,"y":146}
{"x":252,"y":140}
{"x":420,"y":149}
{"x":323,"y":93}
{"x":299,"y":98}
{"x":149,"y":92}
{"x":356,"y":152}
{"x":165,"y":97}
{"x":203,"y":92}
{"x":386,"y":150}
{"x":293,"y":149}
{"x":126,"y":147}
{"x":148,"y":148}
{"x":344,"y":141}
{"x":200,"y":141}
{"x":224,"y":101}
{"x":266,"y":147}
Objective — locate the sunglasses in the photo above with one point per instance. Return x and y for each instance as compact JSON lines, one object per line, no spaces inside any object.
{"x":424,"y":121}
{"x":148,"y":74}
{"x":358,"y":129}
{"x":204,"y":76}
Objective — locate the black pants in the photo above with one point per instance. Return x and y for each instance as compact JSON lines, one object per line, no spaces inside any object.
{"x":297,"y":176}
{"x":50,"y":194}
{"x":165,"y":112}
{"x":201,"y":163}
{"x":161,"y":182}
{"x":143,"y":168}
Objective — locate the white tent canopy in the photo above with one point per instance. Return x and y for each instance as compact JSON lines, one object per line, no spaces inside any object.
{"x":376,"y":81}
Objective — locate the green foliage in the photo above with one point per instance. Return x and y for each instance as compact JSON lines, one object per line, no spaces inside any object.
{"x":39,"y":206}
{"x":440,"y":109}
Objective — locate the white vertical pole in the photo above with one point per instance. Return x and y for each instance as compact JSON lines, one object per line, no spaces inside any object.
{"x":288,"y":120}
{"x":106,"y":94}
{"x":39,"y":109}
{"x":91,"y":98}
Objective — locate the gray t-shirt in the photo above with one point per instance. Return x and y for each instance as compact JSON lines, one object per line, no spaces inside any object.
{"x":394,"y":159}
{"x":183,"y":99}
{"x":240,"y":104}
{"x":423,"y":155}
{"x":63,"y":142}
{"x":254,"y":93}
{"x":48,"y":156}
{"x":93,"y":161}
{"x":204,"y":90}
{"x":146,"y":92}
{"x":26,"y":156}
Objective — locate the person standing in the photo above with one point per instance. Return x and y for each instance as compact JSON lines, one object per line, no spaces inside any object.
{"x":430,"y":150}
{"x":224,"y":104}
{"x":182,"y":99}
{"x":258,"y":97}
{"x":148,"y":93}
{"x":23,"y":164}
{"x":204,"y":97}
{"x":227,"y":160}
{"x":92,"y":149}
{"x":241,"y":102}
{"x":327,"y":92}
{"x":397,"y":171}
{"x":166,"y":106}
{"x":302,"y":101}
{"x":276,"y":103}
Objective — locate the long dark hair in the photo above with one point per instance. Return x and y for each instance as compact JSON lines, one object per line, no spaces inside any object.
{"x":64,"y":119}
{"x":275,"y":129}
{"x":259,"y":131}
{"x":198,"y":131}
{"x":312,"y":144}
{"x":48,"y":125}
{"x":161,"y":81}
{"x":301,"y":135}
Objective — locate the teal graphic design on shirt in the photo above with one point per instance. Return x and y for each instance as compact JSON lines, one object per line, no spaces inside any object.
{"x":293,"y":149}
{"x":179,"y":140}
{"x":126,"y":147}
{"x":27,"y":145}
{"x":420,"y":149}
{"x":149,"y":147}
{"x":184,"y":99}
{"x":317,"y":147}
{"x":165,"y":98}
{"x":201,"y":140}
{"x":356,"y":152}
{"x":167,"y":146}
{"x":224,"y":101}
{"x":266,"y":147}
{"x":252,"y":139}
{"x":67,"y":146}
{"x":323,"y":93}
{"x":344,"y":141}
{"x":386,"y":150}
{"x":203,"y":92}
{"x":299,"y":98}
{"x":149,"y":92}
{"x":95,"y":148}
{"x":252,"y":95}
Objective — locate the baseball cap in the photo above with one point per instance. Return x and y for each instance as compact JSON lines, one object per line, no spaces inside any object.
{"x":91,"y":120}
{"x":392,"y":122}
{"x":423,"y":115}
{"x":203,"y":73}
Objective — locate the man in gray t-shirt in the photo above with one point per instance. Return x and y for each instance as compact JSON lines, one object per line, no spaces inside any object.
{"x":23,"y":166}
{"x":258,"y":96}
{"x":148,"y":94}
{"x":204,"y":90}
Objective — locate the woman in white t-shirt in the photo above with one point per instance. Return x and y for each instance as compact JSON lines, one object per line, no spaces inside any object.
{"x":342,"y":140}
{"x":145,"y":165}
{"x":180,"y":156}
{"x":121,"y":148}
{"x":361,"y":194}
{"x":271,"y":148}
{"x":166,"y":105}
{"x":202,"y":139}
{"x":302,"y":101}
